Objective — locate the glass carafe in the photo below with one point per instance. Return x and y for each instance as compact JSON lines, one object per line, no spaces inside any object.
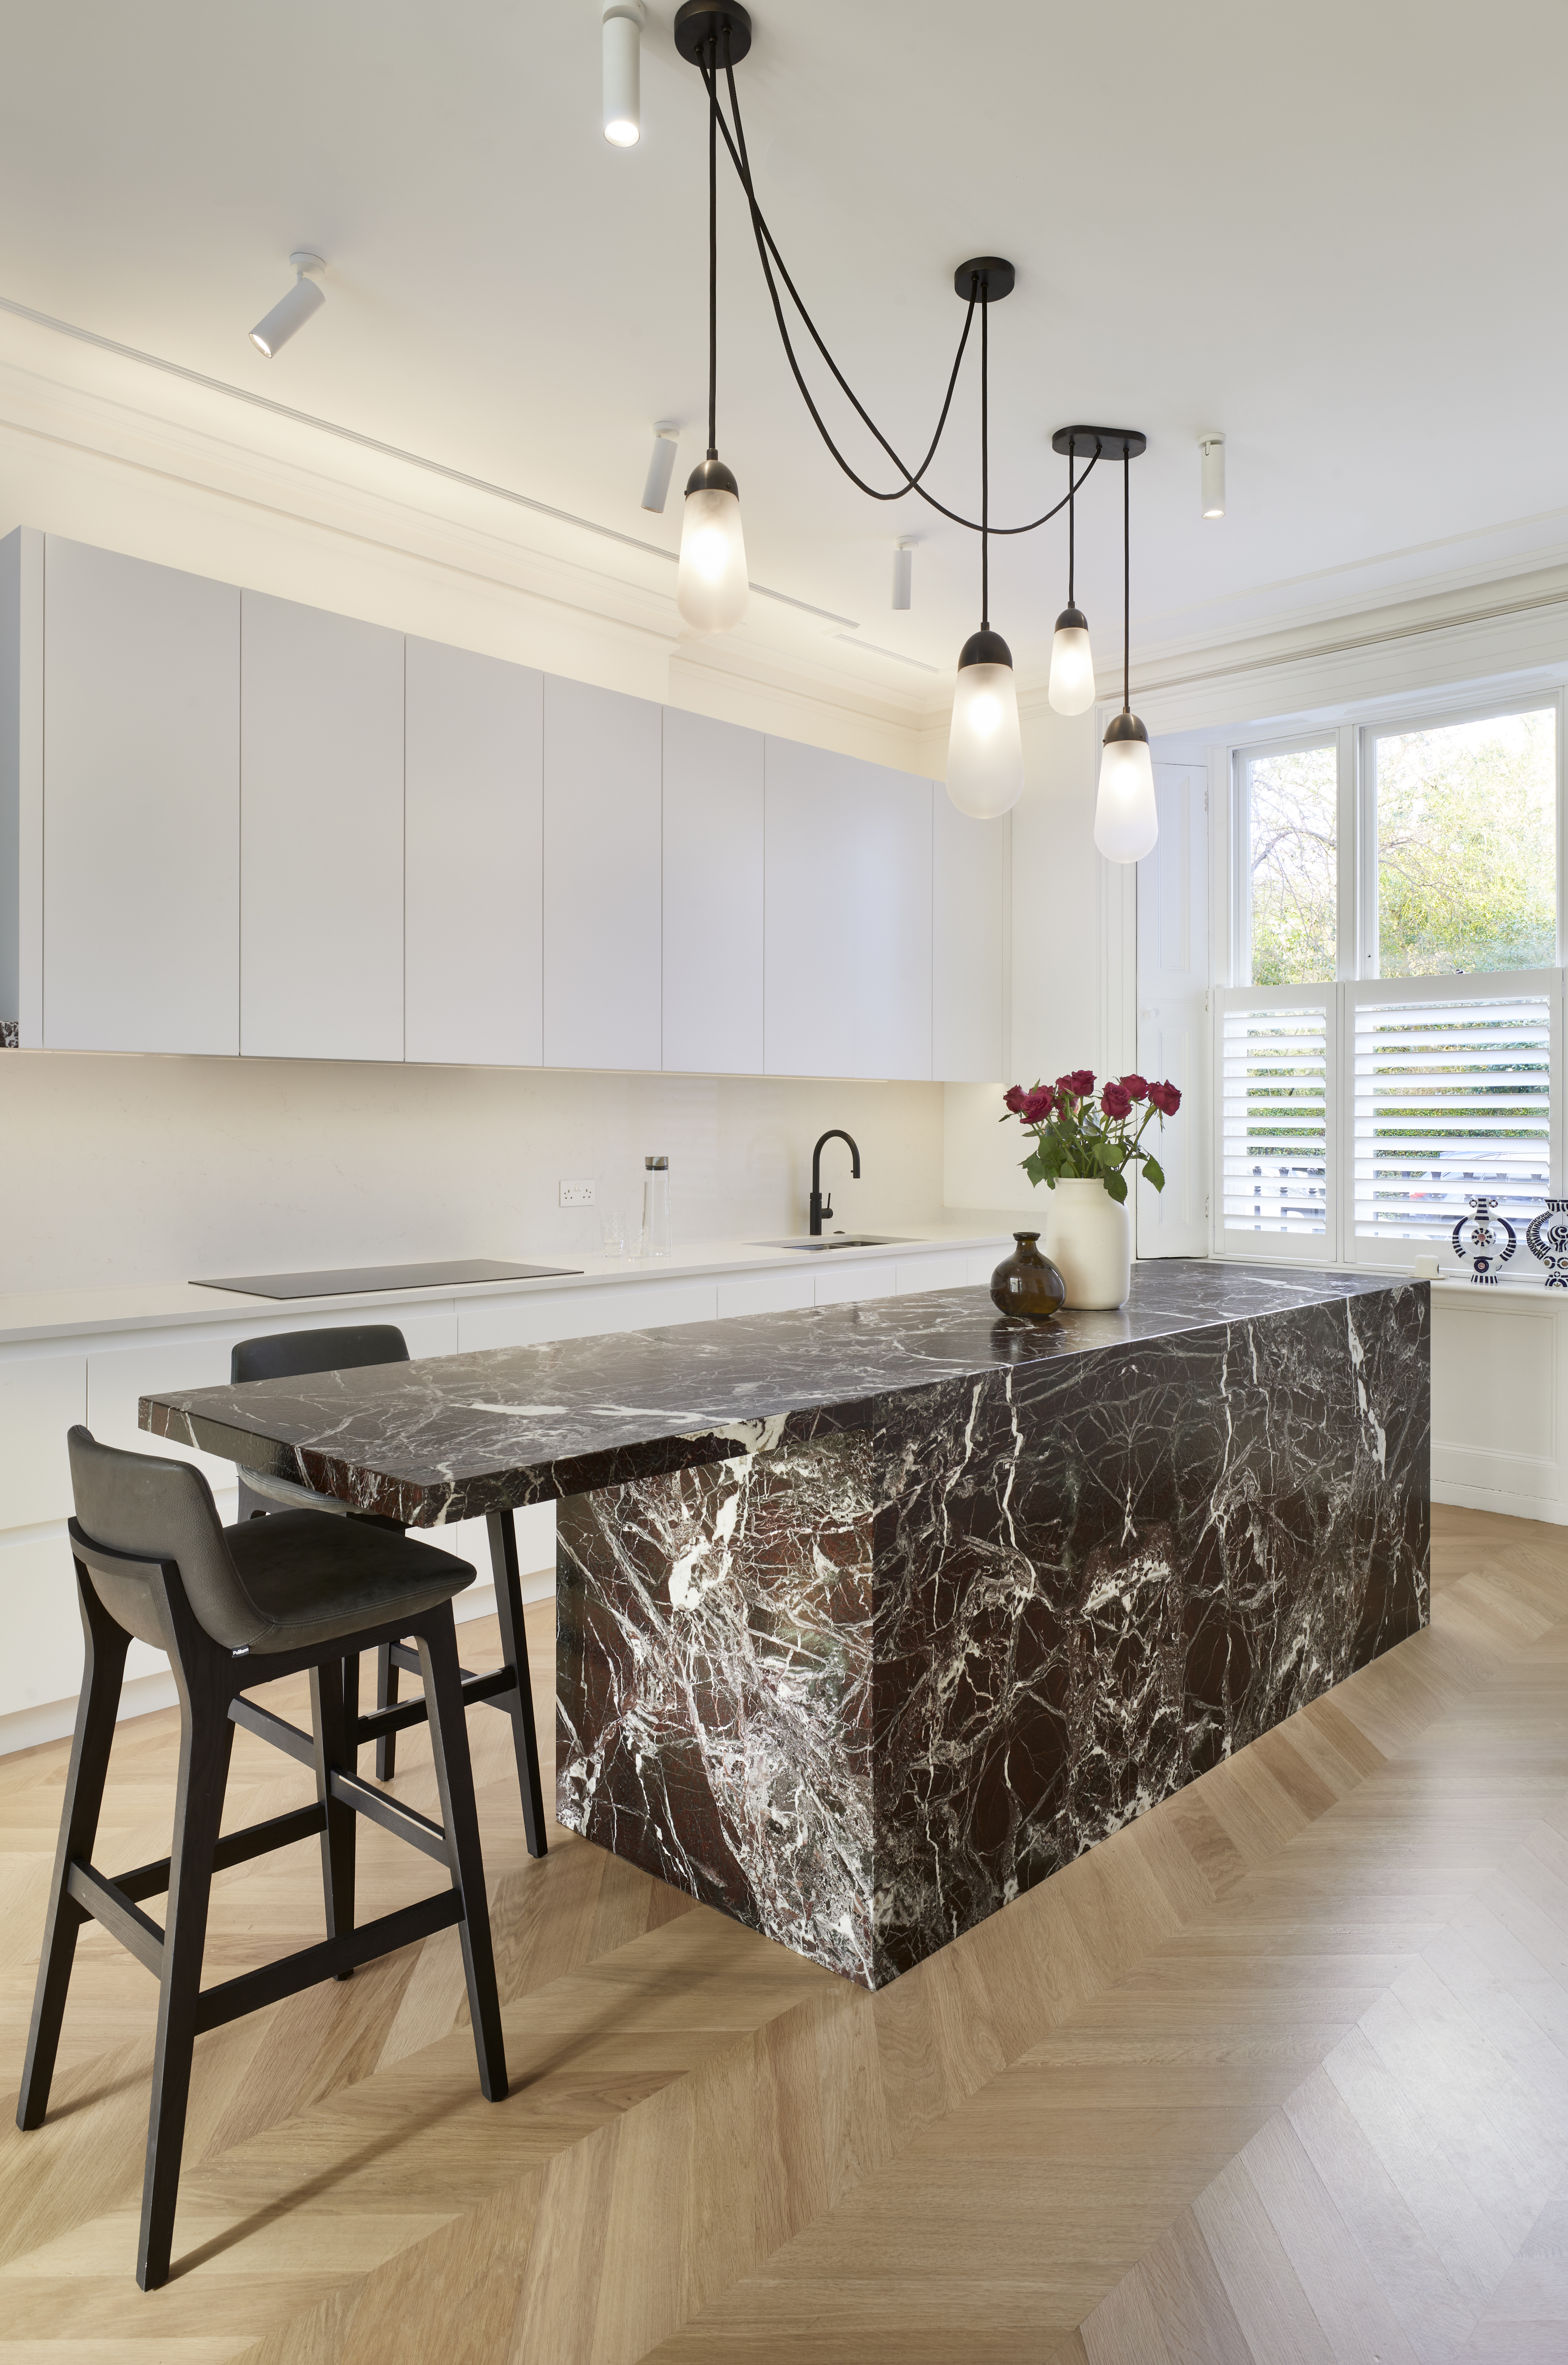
{"x":655,"y":1240}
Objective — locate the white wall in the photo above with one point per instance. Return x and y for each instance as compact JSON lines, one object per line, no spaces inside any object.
{"x":148,"y":1169}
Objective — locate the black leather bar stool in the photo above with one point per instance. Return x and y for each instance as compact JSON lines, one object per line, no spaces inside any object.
{"x":234,"y":1607}
{"x":295,"y":1354}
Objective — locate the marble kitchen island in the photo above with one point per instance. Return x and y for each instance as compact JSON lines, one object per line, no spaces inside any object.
{"x":872,"y":1616}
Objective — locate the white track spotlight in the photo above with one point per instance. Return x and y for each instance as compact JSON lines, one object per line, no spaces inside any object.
{"x":904,"y":573}
{"x":661,"y":465}
{"x":303,"y":298}
{"x":1213,"y":449}
{"x":624,"y":22}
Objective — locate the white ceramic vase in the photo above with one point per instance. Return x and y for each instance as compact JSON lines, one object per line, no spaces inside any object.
{"x":1089,"y":1239}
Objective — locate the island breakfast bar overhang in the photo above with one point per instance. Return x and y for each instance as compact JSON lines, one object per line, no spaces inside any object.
{"x":870,"y":1617}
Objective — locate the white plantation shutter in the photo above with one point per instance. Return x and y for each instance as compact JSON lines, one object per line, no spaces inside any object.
{"x":1276,"y":1064}
{"x":1455,"y":1090}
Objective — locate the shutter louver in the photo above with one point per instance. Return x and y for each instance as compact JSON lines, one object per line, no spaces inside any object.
{"x":1452,"y":1097}
{"x":1274,"y":1063}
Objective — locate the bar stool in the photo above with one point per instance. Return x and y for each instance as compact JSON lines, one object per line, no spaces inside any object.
{"x":234,"y":1607}
{"x":297,"y":1354}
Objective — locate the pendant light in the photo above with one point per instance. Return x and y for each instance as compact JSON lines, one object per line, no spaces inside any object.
{"x":1071,"y":690}
{"x":1125,"y":821}
{"x":711,"y":590}
{"x":985,"y":747}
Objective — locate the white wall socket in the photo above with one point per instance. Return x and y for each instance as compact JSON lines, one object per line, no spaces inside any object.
{"x":576,"y":1194}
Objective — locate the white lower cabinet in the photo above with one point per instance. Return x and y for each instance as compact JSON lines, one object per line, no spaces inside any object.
{"x":848,"y":956}
{"x":320,"y":836}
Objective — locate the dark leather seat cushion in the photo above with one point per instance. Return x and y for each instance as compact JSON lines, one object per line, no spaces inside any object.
{"x":317,"y":1576}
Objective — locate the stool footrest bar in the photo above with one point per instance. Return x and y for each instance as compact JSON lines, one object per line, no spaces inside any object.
{"x":405,"y":1823}
{"x":276,"y":1729}
{"x":486,"y":1687}
{"x":231,"y":2000}
{"x":103,"y":1900}
{"x":235,"y":1847}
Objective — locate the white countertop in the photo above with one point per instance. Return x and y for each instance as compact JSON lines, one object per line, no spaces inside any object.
{"x":148,"y":1306}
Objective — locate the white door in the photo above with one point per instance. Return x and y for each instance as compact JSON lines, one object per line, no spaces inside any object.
{"x":141,"y":805}
{"x":602,"y":856}
{"x":320,"y":834}
{"x":1172,"y":997}
{"x":969,"y":881}
{"x":474,"y":920}
{"x":848,"y":928}
{"x":712,"y":896}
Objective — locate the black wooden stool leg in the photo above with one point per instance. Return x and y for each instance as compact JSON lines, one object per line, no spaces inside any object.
{"x":206,"y":1742}
{"x":386,"y":1697}
{"x":106,"y":1645}
{"x":514,"y":1650}
{"x":335,"y":1752}
{"x":454,"y":1778}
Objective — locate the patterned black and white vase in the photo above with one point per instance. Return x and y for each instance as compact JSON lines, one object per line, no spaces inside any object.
{"x":1487,"y":1239}
{"x":1547,"y":1239}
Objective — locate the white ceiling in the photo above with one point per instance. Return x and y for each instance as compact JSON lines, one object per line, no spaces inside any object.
{"x":1333,"y":234}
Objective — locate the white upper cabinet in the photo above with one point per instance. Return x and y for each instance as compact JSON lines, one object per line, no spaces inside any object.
{"x":712,"y":895}
{"x":968,"y":879}
{"x":474,"y":761}
{"x":848,"y":917}
{"x":141,"y":806}
{"x":603,"y":862}
{"x":321,"y":835}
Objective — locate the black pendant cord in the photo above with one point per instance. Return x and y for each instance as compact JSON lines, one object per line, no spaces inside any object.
{"x":712,"y":265}
{"x":1071,"y":525}
{"x":766,"y":246}
{"x":985,"y":468}
{"x":1127,"y":584}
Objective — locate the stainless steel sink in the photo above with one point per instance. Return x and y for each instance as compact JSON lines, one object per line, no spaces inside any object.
{"x":841,"y":1240}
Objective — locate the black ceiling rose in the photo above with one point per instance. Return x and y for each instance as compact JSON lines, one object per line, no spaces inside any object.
{"x":698,"y":22}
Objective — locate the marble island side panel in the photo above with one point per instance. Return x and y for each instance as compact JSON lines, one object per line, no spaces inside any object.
{"x":861,"y":1693}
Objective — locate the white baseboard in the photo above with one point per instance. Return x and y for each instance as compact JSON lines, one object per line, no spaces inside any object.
{"x":24,"y":1728}
{"x":1507,"y":1506}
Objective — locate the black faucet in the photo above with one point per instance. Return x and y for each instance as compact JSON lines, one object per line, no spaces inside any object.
{"x":821,"y":1206}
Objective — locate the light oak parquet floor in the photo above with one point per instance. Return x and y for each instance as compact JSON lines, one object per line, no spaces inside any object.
{"x":1279,"y":2072}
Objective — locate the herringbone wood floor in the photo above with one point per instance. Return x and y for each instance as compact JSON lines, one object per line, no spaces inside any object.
{"x":1279,"y":2073}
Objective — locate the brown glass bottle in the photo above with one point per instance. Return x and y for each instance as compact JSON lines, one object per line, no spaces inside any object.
{"x":1027,"y":1284}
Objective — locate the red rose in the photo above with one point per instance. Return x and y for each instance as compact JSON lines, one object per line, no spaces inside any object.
{"x":1080,"y":1083}
{"x":1039,"y":1105}
{"x":1116,"y":1102}
{"x":1166,"y":1098}
{"x":1134,"y":1088}
{"x":1013,"y":1098}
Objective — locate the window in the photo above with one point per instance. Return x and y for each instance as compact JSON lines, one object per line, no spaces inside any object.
{"x":1395,"y":1050}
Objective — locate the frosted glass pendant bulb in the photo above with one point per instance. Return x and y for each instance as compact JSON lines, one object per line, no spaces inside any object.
{"x":288,"y":317}
{"x":623,"y":21}
{"x":710,"y":588}
{"x":985,"y":747}
{"x":1071,"y":690}
{"x":1126,"y":821}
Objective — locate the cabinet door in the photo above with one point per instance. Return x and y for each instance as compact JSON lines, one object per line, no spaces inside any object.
{"x":141,"y":806}
{"x":474,"y":781}
{"x":849,"y":930}
{"x":321,"y":835}
{"x":712,"y":896}
{"x":969,"y":885}
{"x":602,"y":929}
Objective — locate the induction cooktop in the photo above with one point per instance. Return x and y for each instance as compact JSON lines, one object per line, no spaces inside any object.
{"x":457,"y":1274}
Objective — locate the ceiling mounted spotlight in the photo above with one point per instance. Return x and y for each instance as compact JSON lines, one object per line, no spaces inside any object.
{"x":661,"y":465}
{"x":1213,"y":449}
{"x":623,"y":21}
{"x":904,"y":573}
{"x":290,"y":314}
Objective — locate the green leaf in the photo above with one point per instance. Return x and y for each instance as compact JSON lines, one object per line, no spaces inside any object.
{"x":1154,"y":1173}
{"x":1116,"y":1187}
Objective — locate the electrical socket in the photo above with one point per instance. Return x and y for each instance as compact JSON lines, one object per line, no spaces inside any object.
{"x":576,"y":1194}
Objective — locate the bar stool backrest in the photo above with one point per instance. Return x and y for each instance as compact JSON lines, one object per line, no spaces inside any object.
{"x":159,"y":1509}
{"x":295,"y":1354}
